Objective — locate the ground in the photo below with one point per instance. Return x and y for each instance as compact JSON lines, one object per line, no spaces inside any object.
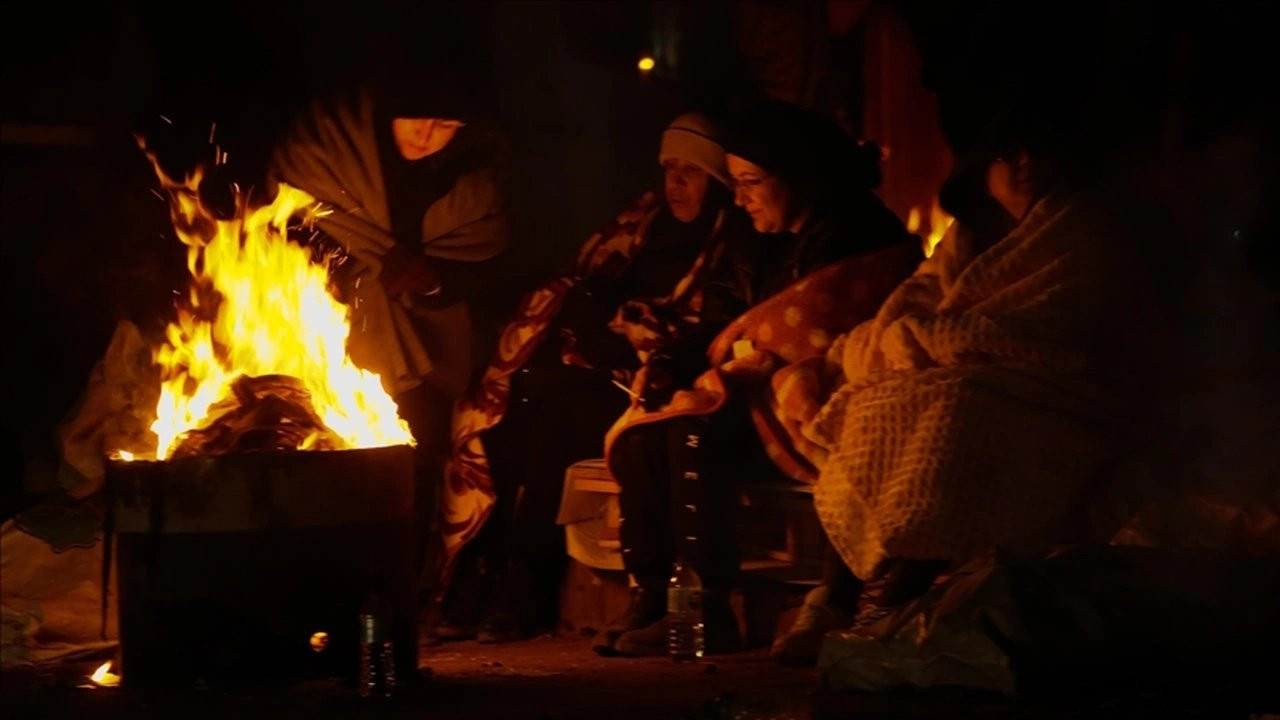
{"x":552,"y":678}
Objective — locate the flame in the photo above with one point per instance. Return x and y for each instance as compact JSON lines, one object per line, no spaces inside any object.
{"x":939,"y":223}
{"x":259,"y":305}
{"x":103,"y":677}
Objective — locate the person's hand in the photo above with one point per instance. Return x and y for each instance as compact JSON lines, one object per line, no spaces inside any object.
{"x":405,"y":271}
{"x":659,"y":383}
{"x":753,"y":365}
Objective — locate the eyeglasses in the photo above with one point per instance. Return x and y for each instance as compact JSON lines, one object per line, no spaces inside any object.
{"x":747,"y":185}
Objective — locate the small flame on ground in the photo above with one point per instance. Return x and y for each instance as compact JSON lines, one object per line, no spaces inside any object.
{"x":103,"y":677}
{"x":122,"y":455}
{"x":939,"y":223}
{"x":319,"y":641}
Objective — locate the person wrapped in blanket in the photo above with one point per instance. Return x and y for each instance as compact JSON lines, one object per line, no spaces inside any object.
{"x":997,"y":392}
{"x":637,"y":288}
{"x":412,"y":168}
{"x":807,"y":186}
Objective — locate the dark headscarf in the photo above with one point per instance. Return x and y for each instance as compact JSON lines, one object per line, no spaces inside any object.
{"x":809,"y":153}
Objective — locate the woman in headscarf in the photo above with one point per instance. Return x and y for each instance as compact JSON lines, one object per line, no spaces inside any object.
{"x":637,"y":287}
{"x":678,"y":449}
{"x":413,"y":175}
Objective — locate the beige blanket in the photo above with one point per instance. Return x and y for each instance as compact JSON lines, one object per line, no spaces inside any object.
{"x":981,"y":402}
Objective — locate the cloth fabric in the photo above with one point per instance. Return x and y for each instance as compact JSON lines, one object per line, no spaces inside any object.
{"x":52,"y":600}
{"x":332,"y":152}
{"x":677,"y":500}
{"x":691,"y":137}
{"x":983,"y":399}
{"x":782,"y":332}
{"x":469,"y":493}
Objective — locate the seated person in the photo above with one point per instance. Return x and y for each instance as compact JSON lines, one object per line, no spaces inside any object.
{"x":548,"y":396}
{"x":984,"y":403}
{"x":676,"y":453}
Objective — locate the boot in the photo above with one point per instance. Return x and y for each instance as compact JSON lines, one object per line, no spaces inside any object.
{"x":462,"y":608}
{"x":799,"y":646}
{"x":513,"y":608}
{"x":645,"y":608}
{"x":719,"y":631}
{"x":903,"y":582}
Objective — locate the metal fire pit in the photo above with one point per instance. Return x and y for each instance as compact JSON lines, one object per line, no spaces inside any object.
{"x":229,"y":566}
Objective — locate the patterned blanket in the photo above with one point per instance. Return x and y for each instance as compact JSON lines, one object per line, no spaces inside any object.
{"x":774,"y":352}
{"x":984,"y":399}
{"x":469,"y":493}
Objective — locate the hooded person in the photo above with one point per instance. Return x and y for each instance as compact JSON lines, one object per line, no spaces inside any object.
{"x":640,"y":286}
{"x":412,"y":173}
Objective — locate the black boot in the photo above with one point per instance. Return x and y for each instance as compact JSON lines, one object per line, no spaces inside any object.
{"x":513,"y":607}
{"x":720,"y":632}
{"x":645,"y":608}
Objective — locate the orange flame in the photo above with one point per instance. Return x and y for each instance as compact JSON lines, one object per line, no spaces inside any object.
{"x":270,"y":312}
{"x":103,"y":677}
{"x":939,"y":223}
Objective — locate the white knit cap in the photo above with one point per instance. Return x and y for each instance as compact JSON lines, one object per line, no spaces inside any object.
{"x":692,"y":138}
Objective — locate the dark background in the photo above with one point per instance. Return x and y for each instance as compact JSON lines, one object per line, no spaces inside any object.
{"x":1181,"y":96}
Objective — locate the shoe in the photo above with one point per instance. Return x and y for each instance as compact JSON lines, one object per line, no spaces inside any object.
{"x":459,"y":616}
{"x":645,"y":608}
{"x":903,"y":583}
{"x":867,"y":624}
{"x":500,"y":627}
{"x":799,"y":646}
{"x":719,"y":631}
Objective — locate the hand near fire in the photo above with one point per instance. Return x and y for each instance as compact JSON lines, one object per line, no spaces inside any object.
{"x":407,"y":272}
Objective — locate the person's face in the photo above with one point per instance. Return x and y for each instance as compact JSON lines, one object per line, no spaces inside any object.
{"x":762,"y":195}
{"x":417,"y":138}
{"x":685,"y":186}
{"x":1011,"y":183}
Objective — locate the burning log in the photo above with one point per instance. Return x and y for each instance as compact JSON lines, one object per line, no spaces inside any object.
{"x":272,"y":412}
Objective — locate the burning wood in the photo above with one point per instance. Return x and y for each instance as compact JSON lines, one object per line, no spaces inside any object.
{"x":257,"y":356}
{"x":272,"y":412}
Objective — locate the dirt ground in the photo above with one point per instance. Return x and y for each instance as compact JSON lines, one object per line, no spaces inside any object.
{"x":549,"y":678}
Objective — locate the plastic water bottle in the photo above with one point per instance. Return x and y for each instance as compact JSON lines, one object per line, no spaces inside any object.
{"x":684,"y":614}
{"x":377,"y":651}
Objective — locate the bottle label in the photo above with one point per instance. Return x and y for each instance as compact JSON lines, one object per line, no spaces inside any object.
{"x":682,"y":600}
{"x":370,"y":628}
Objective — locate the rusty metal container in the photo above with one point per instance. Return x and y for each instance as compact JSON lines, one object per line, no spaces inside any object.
{"x":231,"y":567}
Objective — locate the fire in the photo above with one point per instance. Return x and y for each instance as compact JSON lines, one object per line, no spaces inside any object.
{"x":939,"y":223}
{"x":103,"y":677}
{"x":258,"y":305}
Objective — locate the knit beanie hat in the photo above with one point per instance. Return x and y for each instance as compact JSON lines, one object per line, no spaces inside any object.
{"x":692,"y":138}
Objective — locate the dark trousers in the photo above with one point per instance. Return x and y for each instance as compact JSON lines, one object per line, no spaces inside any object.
{"x":557,"y":415}
{"x":428,"y":409}
{"x":679,"y":496}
